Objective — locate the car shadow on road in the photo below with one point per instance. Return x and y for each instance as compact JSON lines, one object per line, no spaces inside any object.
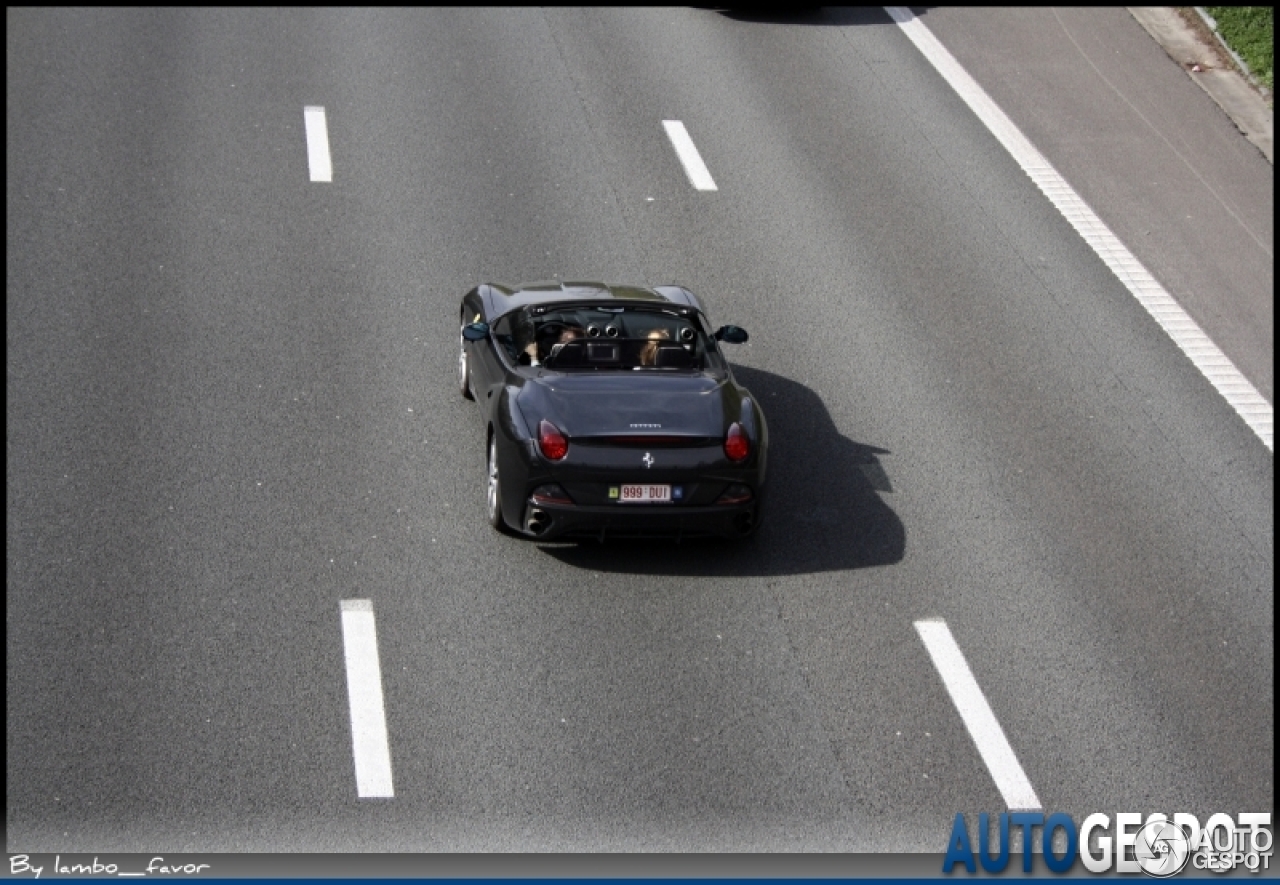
{"x":825,"y":509}
{"x":781,"y":14}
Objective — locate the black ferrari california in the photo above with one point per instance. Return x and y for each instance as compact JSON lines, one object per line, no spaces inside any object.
{"x":610,"y":411}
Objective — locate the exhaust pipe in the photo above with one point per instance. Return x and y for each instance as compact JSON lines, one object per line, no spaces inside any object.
{"x":537,"y":521}
{"x":744,"y":522}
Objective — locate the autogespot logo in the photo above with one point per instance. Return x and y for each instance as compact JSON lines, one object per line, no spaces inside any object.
{"x":1161,"y":848}
{"x":1158,"y":846}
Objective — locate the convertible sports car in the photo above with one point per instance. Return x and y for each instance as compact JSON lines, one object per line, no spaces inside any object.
{"x":610,"y":411}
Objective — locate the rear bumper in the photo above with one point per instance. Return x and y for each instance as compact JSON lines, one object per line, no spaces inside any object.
{"x":548,"y":522}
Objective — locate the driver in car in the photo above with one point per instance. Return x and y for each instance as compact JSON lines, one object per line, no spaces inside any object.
{"x":567,"y":334}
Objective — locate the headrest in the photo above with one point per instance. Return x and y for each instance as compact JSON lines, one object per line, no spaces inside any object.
{"x":570,"y":354}
{"x":673,"y":356}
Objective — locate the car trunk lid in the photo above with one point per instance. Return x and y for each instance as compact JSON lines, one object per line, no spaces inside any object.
{"x":631,"y":409}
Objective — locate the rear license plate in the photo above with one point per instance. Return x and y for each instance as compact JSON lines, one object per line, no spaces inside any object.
{"x":636,"y":493}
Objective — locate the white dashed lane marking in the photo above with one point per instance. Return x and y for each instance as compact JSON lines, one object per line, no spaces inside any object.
{"x":318,"y":144}
{"x":1177,"y":324}
{"x":972,"y":705}
{"x":699,"y":177}
{"x":364,"y":687}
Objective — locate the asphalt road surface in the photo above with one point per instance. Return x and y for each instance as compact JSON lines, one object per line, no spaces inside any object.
{"x":231,"y":408}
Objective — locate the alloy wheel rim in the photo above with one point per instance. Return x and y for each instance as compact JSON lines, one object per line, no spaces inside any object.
{"x":463,"y":381}
{"x":492,"y":496}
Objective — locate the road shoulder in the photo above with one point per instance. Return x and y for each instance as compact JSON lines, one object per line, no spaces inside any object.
{"x":1207,"y":64}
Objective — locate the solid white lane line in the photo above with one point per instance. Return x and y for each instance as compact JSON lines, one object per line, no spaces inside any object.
{"x":983,"y":727}
{"x":318,"y":144}
{"x":699,"y":177}
{"x":364,"y":688}
{"x":1239,"y":393}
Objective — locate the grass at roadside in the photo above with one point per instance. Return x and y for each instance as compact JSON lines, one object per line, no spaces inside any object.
{"x":1250,"y":32}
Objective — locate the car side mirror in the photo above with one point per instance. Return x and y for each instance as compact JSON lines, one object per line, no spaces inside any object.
{"x":475,"y":331}
{"x":732,"y":335}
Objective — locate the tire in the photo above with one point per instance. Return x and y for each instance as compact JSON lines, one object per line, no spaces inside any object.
{"x":493,"y":490}
{"x":464,"y":369}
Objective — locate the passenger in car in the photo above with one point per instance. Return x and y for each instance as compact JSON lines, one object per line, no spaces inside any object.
{"x":649,"y":353}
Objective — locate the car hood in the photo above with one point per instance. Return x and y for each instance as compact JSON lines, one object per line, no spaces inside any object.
{"x":600,"y":404}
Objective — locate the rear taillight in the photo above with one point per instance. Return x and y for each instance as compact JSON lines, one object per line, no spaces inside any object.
{"x":736,"y":444}
{"x":551,"y":441}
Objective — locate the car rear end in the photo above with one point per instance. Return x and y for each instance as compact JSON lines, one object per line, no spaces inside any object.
{"x":637,"y":486}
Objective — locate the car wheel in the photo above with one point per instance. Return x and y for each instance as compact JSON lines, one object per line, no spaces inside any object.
{"x":493,"y":493}
{"x":464,"y":369}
